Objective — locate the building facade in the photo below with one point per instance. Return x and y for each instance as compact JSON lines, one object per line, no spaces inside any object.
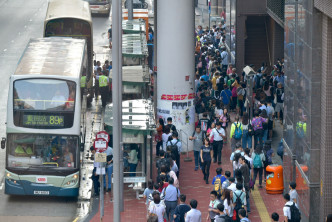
{"x":307,"y":111}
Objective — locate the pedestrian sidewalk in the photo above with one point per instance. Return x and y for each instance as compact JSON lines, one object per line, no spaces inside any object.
{"x":193,"y":185}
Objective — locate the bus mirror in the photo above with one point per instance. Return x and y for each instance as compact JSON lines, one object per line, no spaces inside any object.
{"x":3,"y":143}
{"x":82,"y":146}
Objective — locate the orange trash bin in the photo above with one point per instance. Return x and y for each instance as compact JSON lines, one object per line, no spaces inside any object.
{"x":301,"y":185}
{"x":274,"y":179}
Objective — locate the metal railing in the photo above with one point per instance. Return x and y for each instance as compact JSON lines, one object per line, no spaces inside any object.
{"x":184,"y":137}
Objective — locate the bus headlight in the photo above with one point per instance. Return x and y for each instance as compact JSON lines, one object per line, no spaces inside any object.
{"x":75,"y":176}
{"x":8,"y":175}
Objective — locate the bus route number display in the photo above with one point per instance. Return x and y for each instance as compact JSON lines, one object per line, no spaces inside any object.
{"x":43,"y":120}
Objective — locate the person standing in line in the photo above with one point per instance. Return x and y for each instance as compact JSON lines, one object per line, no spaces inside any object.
{"x":228,"y":205}
{"x":258,"y":159}
{"x":219,"y":135}
{"x":242,"y":216}
{"x":181,"y":209}
{"x":197,"y":138}
{"x":167,"y":133}
{"x":286,"y":209}
{"x":292,"y":192}
{"x":171,"y":195}
{"x":206,"y":157}
{"x":177,"y":153}
{"x":170,"y":125}
{"x":156,"y":207}
{"x":193,"y":215}
{"x":158,"y":138}
{"x":246,"y":178}
{"x":213,"y":211}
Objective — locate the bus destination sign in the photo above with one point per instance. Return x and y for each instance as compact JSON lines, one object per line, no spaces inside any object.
{"x":43,"y":120}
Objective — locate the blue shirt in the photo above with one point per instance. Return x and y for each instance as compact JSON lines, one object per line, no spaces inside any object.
{"x":170,"y":193}
{"x":226,"y":96}
{"x":222,"y":179}
{"x":280,"y":79}
{"x":205,"y":77}
{"x":173,"y":141}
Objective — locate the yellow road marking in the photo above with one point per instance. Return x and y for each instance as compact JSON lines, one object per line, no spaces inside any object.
{"x":75,"y":220}
{"x":260,"y":205}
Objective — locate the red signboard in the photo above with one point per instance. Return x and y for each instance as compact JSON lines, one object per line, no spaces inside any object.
{"x":103,"y":134}
{"x":163,"y":97}
{"x":170,"y":97}
{"x":100,"y":145}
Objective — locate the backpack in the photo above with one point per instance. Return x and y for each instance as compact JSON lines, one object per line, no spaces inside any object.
{"x":295,"y":213}
{"x":268,"y":157}
{"x":238,"y":132}
{"x":238,"y":202}
{"x":217,"y":185}
{"x":173,"y":149}
{"x":280,"y":150}
{"x":257,"y":161}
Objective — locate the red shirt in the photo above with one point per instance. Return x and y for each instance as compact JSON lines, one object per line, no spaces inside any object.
{"x":164,"y":186}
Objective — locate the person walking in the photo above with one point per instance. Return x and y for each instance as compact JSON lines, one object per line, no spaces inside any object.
{"x":236,"y":132}
{"x":156,"y":207}
{"x":197,"y":138}
{"x":219,"y":135}
{"x":257,"y":124}
{"x":171,"y":195}
{"x":246,"y":136}
{"x":206,"y":157}
{"x":258,"y":159}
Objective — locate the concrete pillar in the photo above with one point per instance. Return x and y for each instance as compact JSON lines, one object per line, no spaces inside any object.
{"x":176,"y":64}
{"x":214,"y":7}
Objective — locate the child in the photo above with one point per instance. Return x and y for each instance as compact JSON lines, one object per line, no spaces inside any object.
{"x":218,"y":181}
{"x":242,"y":215}
{"x":222,"y":216}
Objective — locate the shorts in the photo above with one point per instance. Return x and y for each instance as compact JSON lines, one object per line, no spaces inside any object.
{"x":279,"y":107}
{"x":110,"y":40}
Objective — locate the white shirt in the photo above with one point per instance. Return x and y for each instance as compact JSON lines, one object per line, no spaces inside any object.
{"x":164,"y":137}
{"x":157,"y":209}
{"x":286,"y":209}
{"x":249,"y":160}
{"x":193,"y":215}
{"x":236,"y":165}
{"x":215,"y":134}
{"x":228,"y":207}
{"x":232,"y":187}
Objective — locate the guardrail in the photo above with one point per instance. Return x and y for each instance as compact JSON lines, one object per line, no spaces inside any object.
{"x":184,"y":137}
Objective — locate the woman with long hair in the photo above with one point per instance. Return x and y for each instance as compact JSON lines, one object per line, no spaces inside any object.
{"x":246,"y":135}
{"x":228,"y":205}
{"x":206,"y":157}
{"x":158,"y":137}
{"x":167,"y":133}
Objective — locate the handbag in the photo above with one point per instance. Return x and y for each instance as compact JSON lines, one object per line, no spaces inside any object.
{"x":234,"y":215}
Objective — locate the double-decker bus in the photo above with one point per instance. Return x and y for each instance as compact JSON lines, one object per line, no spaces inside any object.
{"x":72,"y":19}
{"x":100,"y":6}
{"x":45,"y":125}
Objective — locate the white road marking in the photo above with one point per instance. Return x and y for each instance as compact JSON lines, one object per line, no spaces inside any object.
{"x":1,"y":187}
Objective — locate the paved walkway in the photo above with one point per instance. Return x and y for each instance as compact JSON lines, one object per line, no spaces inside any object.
{"x":192,"y":184}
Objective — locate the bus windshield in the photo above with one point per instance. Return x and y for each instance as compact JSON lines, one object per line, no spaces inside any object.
{"x":98,"y":2}
{"x":46,"y":151}
{"x":49,"y":107}
{"x":52,"y":94}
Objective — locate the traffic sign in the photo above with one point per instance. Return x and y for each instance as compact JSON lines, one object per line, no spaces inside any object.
{"x":103,"y":134}
{"x":100,"y":145}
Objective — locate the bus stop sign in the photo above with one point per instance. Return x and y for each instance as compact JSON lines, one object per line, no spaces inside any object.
{"x":104,"y":135}
{"x":100,"y":145}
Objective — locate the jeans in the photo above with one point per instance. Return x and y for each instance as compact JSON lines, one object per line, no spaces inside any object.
{"x":248,"y":203}
{"x":265,"y":133}
{"x":109,"y":171}
{"x":258,"y":137}
{"x":197,"y":159}
{"x":206,"y":169}
{"x":246,"y":140}
{"x":217,"y":148}
{"x":170,"y":207}
{"x":96,"y":183}
{"x":159,"y":147}
{"x":132,"y":169}
{"x":260,"y":171}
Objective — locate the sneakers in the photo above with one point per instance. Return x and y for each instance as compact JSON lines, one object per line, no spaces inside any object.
{"x":207,"y":181}
{"x":196,"y":168}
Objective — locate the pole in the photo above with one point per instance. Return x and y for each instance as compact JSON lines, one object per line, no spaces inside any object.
{"x":209,"y":12}
{"x":120,"y":104}
{"x":130,"y":9}
{"x":155,"y":39}
{"x":101,"y":194}
{"x":116,"y":105}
